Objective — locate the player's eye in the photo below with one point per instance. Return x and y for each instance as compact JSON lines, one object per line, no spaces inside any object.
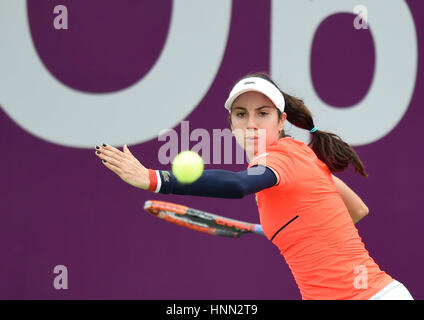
{"x":240,"y":114}
{"x":263,"y":113}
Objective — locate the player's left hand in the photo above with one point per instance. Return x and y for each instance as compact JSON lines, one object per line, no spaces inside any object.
{"x":125,"y":165}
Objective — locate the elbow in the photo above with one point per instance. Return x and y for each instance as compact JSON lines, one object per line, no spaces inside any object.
{"x":364,"y":211}
{"x":361,"y":213}
{"x":241,"y":192}
{"x":238,"y":190}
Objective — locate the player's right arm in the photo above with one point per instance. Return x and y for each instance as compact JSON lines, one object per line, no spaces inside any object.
{"x":356,"y":207}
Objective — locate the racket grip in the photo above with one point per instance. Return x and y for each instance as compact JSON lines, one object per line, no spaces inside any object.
{"x":258,"y":229}
{"x":227,"y":233}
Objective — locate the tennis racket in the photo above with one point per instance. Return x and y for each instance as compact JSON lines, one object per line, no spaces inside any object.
{"x":200,"y":220}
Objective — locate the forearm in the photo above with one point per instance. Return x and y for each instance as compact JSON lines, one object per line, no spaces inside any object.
{"x":219,"y":183}
{"x":354,"y":204}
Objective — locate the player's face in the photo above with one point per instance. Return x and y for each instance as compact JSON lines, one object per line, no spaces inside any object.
{"x":255,"y":122}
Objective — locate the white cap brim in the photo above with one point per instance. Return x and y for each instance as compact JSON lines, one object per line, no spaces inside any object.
{"x":259,"y":85}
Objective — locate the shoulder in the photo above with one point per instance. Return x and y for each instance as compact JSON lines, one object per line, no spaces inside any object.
{"x":288,"y":141}
{"x":287,"y":146}
{"x":284,"y":147}
{"x":279,"y":158}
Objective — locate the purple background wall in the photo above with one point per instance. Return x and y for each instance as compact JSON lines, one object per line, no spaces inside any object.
{"x":60,"y":206}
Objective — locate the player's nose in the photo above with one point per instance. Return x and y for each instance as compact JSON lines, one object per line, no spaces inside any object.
{"x":251,"y":122}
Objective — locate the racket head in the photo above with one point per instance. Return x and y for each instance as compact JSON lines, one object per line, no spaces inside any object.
{"x":198,"y":220}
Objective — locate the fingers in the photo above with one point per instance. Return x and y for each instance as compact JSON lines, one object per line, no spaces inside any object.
{"x":112,"y":167}
{"x":115,"y":162}
{"x":108,"y":155}
{"x":109,"y":158}
{"x":108,"y":152}
{"x":112,"y":150}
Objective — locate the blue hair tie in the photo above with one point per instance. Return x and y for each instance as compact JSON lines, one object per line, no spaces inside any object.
{"x":313,"y":129}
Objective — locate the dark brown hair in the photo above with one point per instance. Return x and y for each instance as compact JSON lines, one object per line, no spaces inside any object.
{"x":328,"y":147}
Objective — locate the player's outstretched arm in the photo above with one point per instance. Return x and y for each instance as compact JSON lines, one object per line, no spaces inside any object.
{"x":125,"y":165}
{"x":356,"y":207}
{"x":212,"y":183}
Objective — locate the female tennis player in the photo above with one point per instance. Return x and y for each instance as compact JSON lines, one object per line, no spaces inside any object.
{"x":307,"y":212}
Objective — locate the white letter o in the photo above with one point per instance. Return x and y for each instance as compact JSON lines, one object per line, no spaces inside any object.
{"x":174,"y":86}
{"x":388,"y":98}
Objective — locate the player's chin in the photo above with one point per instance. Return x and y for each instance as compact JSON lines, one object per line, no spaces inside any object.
{"x":254,"y":140}
{"x":254,"y":143}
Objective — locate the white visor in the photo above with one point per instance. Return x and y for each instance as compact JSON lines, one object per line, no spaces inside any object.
{"x":256,"y":84}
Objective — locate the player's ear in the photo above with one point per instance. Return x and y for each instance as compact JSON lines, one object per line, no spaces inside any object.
{"x":281,"y":121}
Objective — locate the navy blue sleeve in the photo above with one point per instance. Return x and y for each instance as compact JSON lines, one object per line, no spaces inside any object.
{"x":221,"y":183}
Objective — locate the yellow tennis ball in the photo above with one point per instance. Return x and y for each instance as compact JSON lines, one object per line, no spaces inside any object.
{"x":187,"y":166}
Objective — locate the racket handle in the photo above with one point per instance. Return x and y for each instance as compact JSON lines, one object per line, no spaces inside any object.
{"x":227,"y":233}
{"x":258,"y":229}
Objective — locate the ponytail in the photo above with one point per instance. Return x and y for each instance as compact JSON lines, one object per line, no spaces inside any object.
{"x":328,"y":147}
